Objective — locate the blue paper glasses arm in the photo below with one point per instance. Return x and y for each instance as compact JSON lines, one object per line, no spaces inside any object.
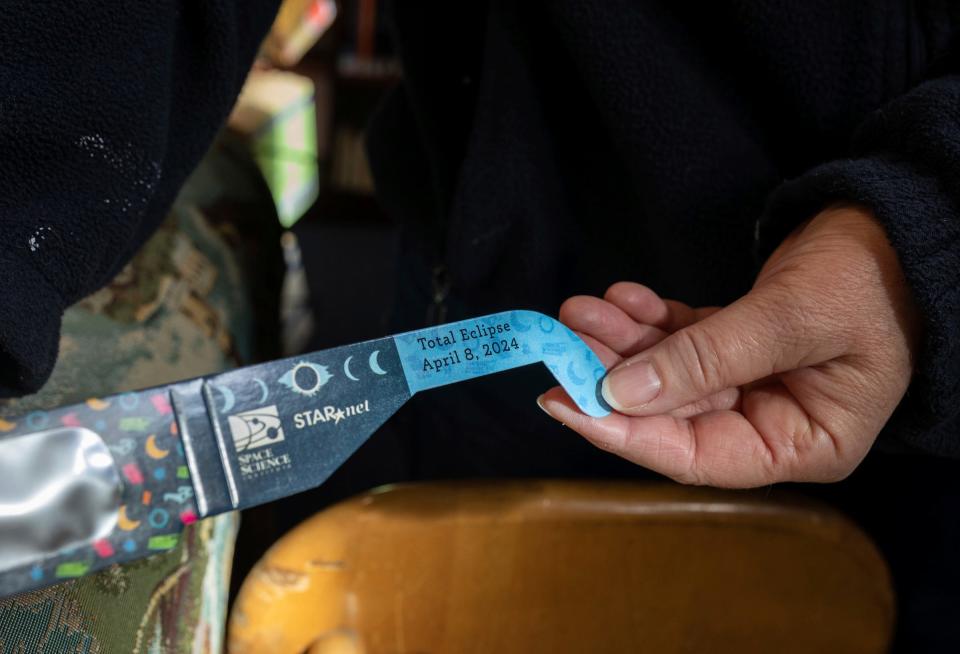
{"x":205,"y":446}
{"x":446,"y":354}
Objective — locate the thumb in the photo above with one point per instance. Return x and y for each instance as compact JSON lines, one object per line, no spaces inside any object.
{"x":755,"y":337}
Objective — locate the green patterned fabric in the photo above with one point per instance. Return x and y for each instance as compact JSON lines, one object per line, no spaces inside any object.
{"x":180,"y":309}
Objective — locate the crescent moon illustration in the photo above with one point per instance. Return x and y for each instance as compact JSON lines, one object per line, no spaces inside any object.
{"x":97,"y":404}
{"x":346,"y":369}
{"x":572,"y":374}
{"x":375,"y":364}
{"x":152,"y":450}
{"x":228,"y":398}
{"x":124,"y":522}
{"x":263,"y":389}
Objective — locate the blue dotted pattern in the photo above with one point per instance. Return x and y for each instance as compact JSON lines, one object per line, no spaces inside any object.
{"x":450,"y":353}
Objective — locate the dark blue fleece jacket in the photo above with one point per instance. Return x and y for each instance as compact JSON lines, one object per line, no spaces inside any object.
{"x":541,"y":149}
{"x":105,"y":109}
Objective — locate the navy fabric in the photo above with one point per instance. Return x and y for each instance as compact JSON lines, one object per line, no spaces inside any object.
{"x":105,"y":109}
{"x":557,"y":147}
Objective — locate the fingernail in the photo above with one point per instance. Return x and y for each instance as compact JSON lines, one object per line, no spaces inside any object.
{"x":542,"y":407}
{"x":631,"y":387}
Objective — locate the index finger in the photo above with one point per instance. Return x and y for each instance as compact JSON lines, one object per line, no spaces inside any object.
{"x":720,"y":448}
{"x":643,"y":305}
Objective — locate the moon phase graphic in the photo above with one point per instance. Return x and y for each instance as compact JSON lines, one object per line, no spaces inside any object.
{"x":153,"y":450}
{"x":346,"y":369}
{"x":228,"y":398}
{"x":375,"y":364}
{"x":572,"y":374}
{"x":297,"y":379}
{"x":265,"y":392}
{"x":124,"y":522}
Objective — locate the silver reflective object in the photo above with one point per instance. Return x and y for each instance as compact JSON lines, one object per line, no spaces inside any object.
{"x":58,"y":488}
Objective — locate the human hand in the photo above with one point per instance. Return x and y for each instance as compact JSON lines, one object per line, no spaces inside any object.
{"x":792,"y":382}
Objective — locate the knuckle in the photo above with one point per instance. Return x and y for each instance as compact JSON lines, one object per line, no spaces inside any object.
{"x":690,"y":472}
{"x":700,"y":355}
{"x":821,"y":454}
{"x":675,"y":457}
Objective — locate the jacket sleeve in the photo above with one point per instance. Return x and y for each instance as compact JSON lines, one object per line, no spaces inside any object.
{"x":105,"y":109}
{"x":905,"y":166}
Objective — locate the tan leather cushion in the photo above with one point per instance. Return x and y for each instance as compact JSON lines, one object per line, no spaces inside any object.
{"x":568,"y":567}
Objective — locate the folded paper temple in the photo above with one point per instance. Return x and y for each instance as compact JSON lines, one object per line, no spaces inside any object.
{"x":134,"y":468}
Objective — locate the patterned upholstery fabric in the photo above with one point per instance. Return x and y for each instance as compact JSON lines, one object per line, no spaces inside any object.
{"x":181,"y":308}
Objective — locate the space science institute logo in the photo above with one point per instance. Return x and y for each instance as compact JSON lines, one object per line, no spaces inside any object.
{"x":255,"y":428}
{"x":254,"y":433}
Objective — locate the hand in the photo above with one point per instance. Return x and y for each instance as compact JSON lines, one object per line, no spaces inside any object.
{"x":792,"y":382}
